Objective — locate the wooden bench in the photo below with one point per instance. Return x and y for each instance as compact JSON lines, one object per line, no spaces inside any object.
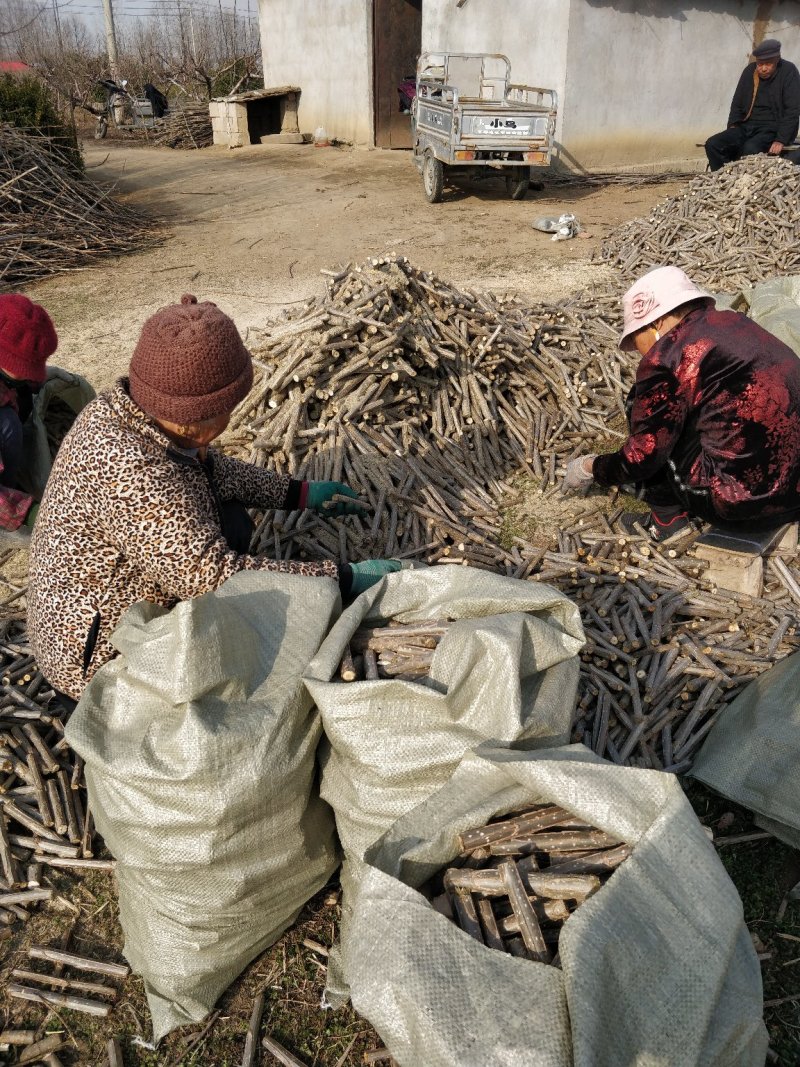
{"x":736,"y":556}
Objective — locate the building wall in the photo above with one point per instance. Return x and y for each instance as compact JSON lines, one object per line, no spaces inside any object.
{"x":646,"y":79}
{"x":532,"y":33}
{"x":325,"y":47}
{"x":638,"y":81}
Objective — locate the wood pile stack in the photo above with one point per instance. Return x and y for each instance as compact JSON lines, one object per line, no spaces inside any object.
{"x":186,"y":125}
{"x":427,"y":400}
{"x":44,"y":819}
{"x":53,"y":220}
{"x":430,"y":402}
{"x":517,"y":880}
{"x":728,"y":230}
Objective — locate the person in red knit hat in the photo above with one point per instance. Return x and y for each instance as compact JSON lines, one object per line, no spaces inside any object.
{"x":27,"y":340}
{"x":139,"y":507}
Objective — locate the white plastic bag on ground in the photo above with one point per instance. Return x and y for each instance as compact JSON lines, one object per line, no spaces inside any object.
{"x":752,"y":754}
{"x":658,"y":967}
{"x":200,"y":742}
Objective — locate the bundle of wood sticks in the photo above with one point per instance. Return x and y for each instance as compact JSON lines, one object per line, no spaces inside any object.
{"x":396,"y":650}
{"x":727,"y":230}
{"x":44,"y":818}
{"x":518,"y":879}
{"x":53,"y":219}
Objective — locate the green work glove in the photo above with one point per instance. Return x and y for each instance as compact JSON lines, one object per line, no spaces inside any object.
{"x":367,"y":573}
{"x":30,"y":518}
{"x":321,"y":497}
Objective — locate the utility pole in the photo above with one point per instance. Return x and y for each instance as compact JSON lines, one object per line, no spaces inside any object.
{"x":111,"y":39}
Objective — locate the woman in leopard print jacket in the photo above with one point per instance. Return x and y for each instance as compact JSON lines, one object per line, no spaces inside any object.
{"x":137,"y":507}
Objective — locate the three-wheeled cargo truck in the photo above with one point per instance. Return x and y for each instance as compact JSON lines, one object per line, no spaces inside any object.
{"x":468,"y":114}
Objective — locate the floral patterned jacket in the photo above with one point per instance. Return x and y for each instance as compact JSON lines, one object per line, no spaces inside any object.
{"x":126,"y":517}
{"x":719,"y":397}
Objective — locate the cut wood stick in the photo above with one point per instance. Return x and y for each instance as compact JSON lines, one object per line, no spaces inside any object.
{"x":560,"y":886}
{"x":17,"y":1037}
{"x":251,"y":1040}
{"x":347,"y":670}
{"x":491,"y":931}
{"x":546,"y":911}
{"x":114,"y":1052}
{"x":80,"y":963}
{"x":54,"y":847}
{"x":523,"y":911}
{"x":64,"y":983}
{"x":594,"y":863}
{"x":370,"y":665}
{"x":25,"y":896}
{"x":519,"y":827}
{"x":58,"y":1000}
{"x":69,"y":861}
{"x":566,"y":841}
{"x":466,"y":912}
{"x":731,"y":839}
{"x":489,"y":882}
{"x":281,"y":1054}
{"x":39,"y":1049}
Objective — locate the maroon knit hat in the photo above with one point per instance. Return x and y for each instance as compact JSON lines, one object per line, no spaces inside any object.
{"x":190,"y":363}
{"x":27,"y":338}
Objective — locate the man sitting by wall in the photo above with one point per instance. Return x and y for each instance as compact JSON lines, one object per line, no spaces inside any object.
{"x":764,"y":111}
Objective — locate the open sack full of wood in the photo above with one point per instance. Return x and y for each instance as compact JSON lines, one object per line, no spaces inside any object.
{"x":644,"y":957}
{"x":503,"y":667}
{"x":752,"y":754}
{"x":200,"y":741}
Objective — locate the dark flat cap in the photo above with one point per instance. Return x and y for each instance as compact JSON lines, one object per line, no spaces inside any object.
{"x":769,"y":49}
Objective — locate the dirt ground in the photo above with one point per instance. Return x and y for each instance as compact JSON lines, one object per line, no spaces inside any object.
{"x":250,"y":229}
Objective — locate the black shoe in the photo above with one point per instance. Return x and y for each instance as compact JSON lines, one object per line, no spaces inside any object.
{"x":660,"y":532}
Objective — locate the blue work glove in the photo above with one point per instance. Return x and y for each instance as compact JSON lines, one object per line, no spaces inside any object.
{"x":365,"y":574}
{"x":320,"y":497}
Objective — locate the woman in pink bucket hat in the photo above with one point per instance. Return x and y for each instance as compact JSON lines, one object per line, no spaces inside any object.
{"x":714,"y":414}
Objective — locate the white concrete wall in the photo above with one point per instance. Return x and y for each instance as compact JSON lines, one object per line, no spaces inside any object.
{"x":639,"y":81}
{"x":532,"y":33}
{"x":325,"y":48}
{"x":646,"y":79}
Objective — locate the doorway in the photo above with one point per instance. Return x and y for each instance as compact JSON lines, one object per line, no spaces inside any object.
{"x":397,"y":41}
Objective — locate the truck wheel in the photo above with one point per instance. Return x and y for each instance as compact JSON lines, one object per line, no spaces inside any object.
{"x":517,"y":182}
{"x":433,"y":178}
{"x":101,"y":128}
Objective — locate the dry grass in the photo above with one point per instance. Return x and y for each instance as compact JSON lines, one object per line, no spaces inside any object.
{"x":291,"y":974}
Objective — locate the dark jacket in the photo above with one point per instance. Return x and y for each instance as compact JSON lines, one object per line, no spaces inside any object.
{"x":721,"y":390}
{"x":779,"y":97}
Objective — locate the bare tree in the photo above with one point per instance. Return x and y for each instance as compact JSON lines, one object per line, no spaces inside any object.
{"x":193,"y":48}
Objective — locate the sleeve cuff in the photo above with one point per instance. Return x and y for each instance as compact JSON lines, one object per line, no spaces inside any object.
{"x":296,"y":495}
{"x":345,"y":579}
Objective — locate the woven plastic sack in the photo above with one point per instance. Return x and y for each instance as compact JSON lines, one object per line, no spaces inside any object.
{"x":506,"y":671}
{"x":752,"y":753}
{"x":658,"y":968}
{"x":55,"y":406}
{"x":200,"y":742}
{"x":774,"y":304}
